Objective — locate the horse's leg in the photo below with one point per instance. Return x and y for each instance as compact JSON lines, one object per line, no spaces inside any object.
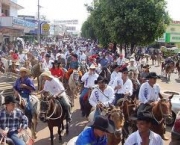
{"x":62,"y":125}
{"x":67,"y":127}
{"x":59,"y":133}
{"x":34,"y":125}
{"x":51,"y":133}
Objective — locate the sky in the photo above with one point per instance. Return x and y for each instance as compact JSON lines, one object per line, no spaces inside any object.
{"x":75,"y":9}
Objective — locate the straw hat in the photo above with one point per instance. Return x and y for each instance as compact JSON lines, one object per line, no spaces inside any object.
{"x":47,"y":74}
{"x":25,"y":51}
{"x":23,"y":69}
{"x":92,"y":66}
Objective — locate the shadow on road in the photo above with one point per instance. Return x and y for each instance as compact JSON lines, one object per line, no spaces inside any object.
{"x":77,"y":125}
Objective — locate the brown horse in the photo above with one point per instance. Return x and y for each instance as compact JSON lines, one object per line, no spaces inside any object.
{"x":178,"y":67}
{"x":116,"y":115}
{"x":169,"y":68}
{"x":52,"y":112}
{"x":128,"y":106}
{"x":36,"y":71}
{"x":160,"y":112}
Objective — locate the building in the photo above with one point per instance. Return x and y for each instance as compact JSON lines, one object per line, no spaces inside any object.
{"x":11,"y":26}
{"x":172,"y":34}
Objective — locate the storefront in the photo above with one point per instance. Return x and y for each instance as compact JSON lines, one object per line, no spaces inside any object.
{"x":12,"y":27}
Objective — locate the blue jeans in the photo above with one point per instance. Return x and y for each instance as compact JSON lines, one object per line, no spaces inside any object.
{"x":117,"y":97}
{"x":16,"y":140}
{"x":83,"y":93}
{"x":28,"y":107}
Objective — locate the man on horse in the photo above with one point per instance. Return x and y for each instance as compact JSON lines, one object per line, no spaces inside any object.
{"x":12,"y":121}
{"x":96,"y":134}
{"x":144,"y":135}
{"x":101,"y":96}
{"x":88,"y":79}
{"x":56,"y":89}
{"x":123,"y":86}
{"x":24,"y":87}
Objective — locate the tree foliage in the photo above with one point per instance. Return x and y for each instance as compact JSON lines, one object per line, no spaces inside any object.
{"x":130,"y":22}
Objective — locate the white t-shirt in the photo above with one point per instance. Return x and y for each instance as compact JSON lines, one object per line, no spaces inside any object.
{"x":148,"y":93}
{"x":135,"y":139}
{"x":106,"y":97}
{"x":54,"y":87}
{"x":89,"y":79}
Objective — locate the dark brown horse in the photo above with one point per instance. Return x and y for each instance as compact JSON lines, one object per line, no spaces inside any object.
{"x":52,"y":112}
{"x":169,"y":68}
{"x":129,"y":107}
{"x":160,"y":112}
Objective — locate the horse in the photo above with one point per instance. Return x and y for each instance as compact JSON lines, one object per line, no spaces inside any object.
{"x":74,"y":84}
{"x":154,"y":58}
{"x":129,"y":107}
{"x":35,"y":103}
{"x":169,"y":68}
{"x":83,"y":67}
{"x":160,"y":112}
{"x":178,"y":67}
{"x":116,"y":115}
{"x":52,"y":113}
{"x":36,"y":71}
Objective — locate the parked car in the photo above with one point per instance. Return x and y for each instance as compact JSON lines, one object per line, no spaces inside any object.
{"x":175,"y":101}
{"x":175,"y":133}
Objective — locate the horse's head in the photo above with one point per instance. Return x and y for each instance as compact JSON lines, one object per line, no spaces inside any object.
{"x":44,"y":106}
{"x":116,"y":115}
{"x":75,"y":76}
{"x":164,"y":105}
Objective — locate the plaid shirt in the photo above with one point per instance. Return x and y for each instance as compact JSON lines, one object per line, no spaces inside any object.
{"x":13,"y":120}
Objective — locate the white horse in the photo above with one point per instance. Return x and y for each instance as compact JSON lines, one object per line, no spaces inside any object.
{"x":35,"y":103}
{"x":74,"y":84}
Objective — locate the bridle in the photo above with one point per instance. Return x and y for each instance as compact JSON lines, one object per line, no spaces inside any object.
{"x":55,"y":107}
{"x":164,"y":115}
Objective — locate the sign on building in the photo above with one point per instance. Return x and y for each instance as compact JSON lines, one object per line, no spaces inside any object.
{"x":172,"y":38}
{"x":70,"y":28}
{"x":66,"y":22}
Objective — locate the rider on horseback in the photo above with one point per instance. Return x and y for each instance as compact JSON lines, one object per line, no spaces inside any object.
{"x":12,"y":122}
{"x":24,"y":86}
{"x":88,"y":79}
{"x":168,"y":61}
{"x":56,"y":89}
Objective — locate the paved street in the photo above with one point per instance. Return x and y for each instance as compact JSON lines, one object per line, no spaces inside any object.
{"x":78,"y":122}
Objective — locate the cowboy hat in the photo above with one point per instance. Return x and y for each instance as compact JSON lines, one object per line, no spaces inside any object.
{"x":101,"y":79}
{"x":123,"y":69}
{"x":23,"y":69}
{"x":104,"y":124}
{"x":56,"y":62}
{"x":9,"y":99}
{"x":147,"y":116}
{"x":152,"y":75}
{"x":47,"y":55}
{"x":47,"y":74}
{"x":115,"y":66}
{"x":92,"y":66}
{"x":146,"y":66}
{"x":74,"y":55}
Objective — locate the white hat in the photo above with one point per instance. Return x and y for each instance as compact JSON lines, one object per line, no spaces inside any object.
{"x":25,"y":51}
{"x":47,"y":74}
{"x":11,"y":51}
{"x":23,"y":69}
{"x":58,"y":54}
{"x":132,"y":59}
{"x":92,"y":66}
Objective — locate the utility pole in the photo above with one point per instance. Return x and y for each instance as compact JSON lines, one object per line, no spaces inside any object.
{"x":39,"y":27}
